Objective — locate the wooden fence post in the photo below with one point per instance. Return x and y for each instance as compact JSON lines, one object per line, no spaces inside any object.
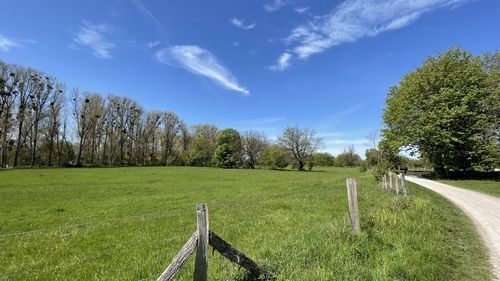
{"x":403,"y":185}
{"x":201,"y":260}
{"x":397,"y":183}
{"x":390,"y":181}
{"x":352,"y":198}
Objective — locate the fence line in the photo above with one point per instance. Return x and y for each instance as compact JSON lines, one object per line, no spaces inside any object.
{"x":395,"y":182}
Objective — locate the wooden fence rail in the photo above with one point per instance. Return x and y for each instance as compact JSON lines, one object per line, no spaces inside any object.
{"x":199,"y":241}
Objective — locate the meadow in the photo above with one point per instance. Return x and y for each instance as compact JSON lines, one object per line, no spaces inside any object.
{"x":489,"y":186}
{"x":128,"y":223}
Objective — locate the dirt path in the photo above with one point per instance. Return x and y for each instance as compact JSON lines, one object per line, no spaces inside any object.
{"x":483,"y":209}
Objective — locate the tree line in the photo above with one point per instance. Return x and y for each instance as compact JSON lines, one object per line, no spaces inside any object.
{"x":44,"y":124}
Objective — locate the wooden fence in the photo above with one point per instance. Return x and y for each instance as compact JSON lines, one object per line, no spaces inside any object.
{"x":203,"y":236}
{"x":395,"y":182}
{"x":199,"y":241}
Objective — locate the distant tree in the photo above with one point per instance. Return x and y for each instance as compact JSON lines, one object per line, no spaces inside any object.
{"x":200,"y":153}
{"x":275,"y":157}
{"x":228,"y":149}
{"x":324,"y":159}
{"x":254,"y":144}
{"x":348,"y":158}
{"x":372,"y":156}
{"x":302,"y":143}
{"x":170,"y":123}
{"x":445,"y":110}
{"x":206,"y":131}
{"x":8,"y":95}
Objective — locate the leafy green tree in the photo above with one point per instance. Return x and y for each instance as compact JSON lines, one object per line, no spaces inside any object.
{"x":372,"y":157}
{"x":275,"y":157}
{"x":348,"y":158}
{"x":200,"y":153}
{"x":445,"y":111}
{"x":228,"y":151}
{"x":324,"y":159}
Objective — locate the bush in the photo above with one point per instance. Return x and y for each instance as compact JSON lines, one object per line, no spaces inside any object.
{"x":275,"y":157}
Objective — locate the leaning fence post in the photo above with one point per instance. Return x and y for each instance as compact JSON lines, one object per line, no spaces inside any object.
{"x":201,"y":260}
{"x":352,"y":198}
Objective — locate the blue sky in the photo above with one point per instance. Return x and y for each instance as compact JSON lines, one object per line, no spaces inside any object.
{"x":247,"y":64}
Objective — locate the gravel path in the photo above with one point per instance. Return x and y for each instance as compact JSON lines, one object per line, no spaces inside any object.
{"x":483,"y":209}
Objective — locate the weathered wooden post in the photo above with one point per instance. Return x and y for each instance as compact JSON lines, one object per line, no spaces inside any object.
{"x":397,"y":183}
{"x":201,"y":259}
{"x":352,"y":199}
{"x":390,"y":181}
{"x":180,"y":259}
{"x":403,"y":185}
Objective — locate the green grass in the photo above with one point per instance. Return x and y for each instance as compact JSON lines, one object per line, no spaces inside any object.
{"x":491,"y":187}
{"x":128,"y":223}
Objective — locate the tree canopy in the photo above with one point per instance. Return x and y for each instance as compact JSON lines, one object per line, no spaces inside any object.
{"x":447,"y":111}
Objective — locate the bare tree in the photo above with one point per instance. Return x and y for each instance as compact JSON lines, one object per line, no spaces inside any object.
{"x":302,"y":143}
{"x":254,"y":144}
{"x":170,"y":128}
{"x":56,"y":105}
{"x":8,"y":95}
{"x":206,"y":131}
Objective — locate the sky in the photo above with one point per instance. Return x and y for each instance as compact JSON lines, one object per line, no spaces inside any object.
{"x":247,"y":64}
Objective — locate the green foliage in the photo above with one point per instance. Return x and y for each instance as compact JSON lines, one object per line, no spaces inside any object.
{"x":128,"y":224}
{"x":324,"y":159}
{"x":348,"y":158}
{"x":200,"y":153}
{"x":444,"y":111}
{"x":228,"y":150}
{"x":372,"y":157}
{"x":275,"y":157}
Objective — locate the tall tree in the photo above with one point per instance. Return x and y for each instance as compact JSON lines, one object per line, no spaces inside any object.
{"x":444,"y":111}
{"x":170,"y":129}
{"x":228,"y":149}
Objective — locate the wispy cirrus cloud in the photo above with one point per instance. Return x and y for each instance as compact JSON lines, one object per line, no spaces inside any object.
{"x":201,"y":62}
{"x":282,"y":62}
{"x":93,"y":36}
{"x":152,"y":44}
{"x":275,"y":5}
{"x":8,"y":43}
{"x":301,"y":10}
{"x":356,"y":19}
{"x":240,"y":23}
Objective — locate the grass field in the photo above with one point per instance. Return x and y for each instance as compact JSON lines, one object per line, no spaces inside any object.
{"x":128,"y":223}
{"x":491,"y":187}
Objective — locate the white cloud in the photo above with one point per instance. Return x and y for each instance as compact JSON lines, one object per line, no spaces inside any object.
{"x":152,"y":44}
{"x":200,"y":61}
{"x":94,"y":37}
{"x":7,"y":43}
{"x":240,"y":23}
{"x":275,"y":5}
{"x":282,"y":63}
{"x":301,"y":10}
{"x":356,"y":19}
